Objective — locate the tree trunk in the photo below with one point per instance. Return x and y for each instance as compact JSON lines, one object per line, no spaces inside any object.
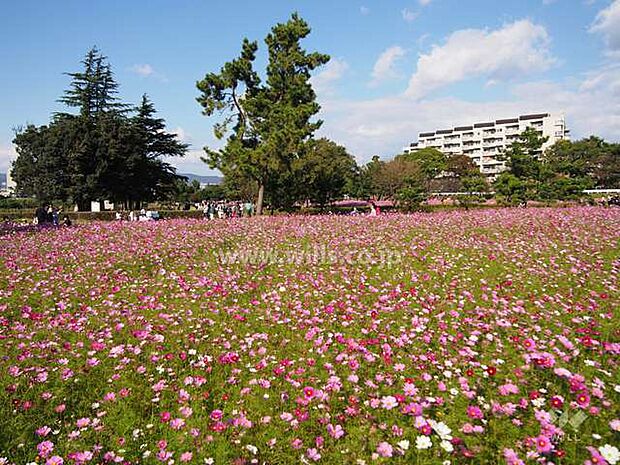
{"x":259,"y":201}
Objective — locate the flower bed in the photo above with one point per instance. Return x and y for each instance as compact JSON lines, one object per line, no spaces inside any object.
{"x":487,"y":336}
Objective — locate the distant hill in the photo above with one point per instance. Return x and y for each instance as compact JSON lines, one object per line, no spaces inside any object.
{"x":190,"y":176}
{"x":202,"y":179}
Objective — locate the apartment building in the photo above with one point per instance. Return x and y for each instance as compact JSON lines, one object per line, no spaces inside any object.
{"x":485,"y":141}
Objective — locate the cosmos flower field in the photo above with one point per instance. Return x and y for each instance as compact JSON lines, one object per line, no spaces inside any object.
{"x":446,"y":338}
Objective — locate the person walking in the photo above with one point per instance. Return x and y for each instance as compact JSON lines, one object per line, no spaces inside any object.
{"x":55,"y":214}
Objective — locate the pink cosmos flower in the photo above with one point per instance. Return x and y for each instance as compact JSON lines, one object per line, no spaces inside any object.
{"x":473,"y":411}
{"x":335,"y":432}
{"x":82,"y":422}
{"x":543,"y":444}
{"x":313,"y":454}
{"x":43,"y":431}
{"x":54,"y":460}
{"x":410,"y":389}
{"x":467,"y":428}
{"x":596,"y":457}
{"x":583,"y":400}
{"x":177,"y":423}
{"x":384,"y":449}
{"x":186,"y":456}
{"x":508,"y":388}
{"x":389,"y":402}
{"x":45,"y":448}
{"x":512,"y":458}
{"x":529,"y":344}
{"x":163,"y":455}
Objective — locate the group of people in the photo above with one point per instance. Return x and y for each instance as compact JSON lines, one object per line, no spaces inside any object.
{"x":49,"y":215}
{"x":142,"y":215}
{"x":223,"y":209}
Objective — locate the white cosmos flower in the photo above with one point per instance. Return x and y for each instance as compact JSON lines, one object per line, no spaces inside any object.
{"x":404,"y":444}
{"x":423,"y":442}
{"x":447,"y":446}
{"x":441,"y":429}
{"x":610,"y":453}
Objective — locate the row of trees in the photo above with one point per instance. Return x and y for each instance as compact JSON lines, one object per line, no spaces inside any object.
{"x":324,"y":171}
{"x":107,"y":150}
{"x":269,"y":149}
{"x":409,"y":178}
{"x":562,"y":172}
{"x":266,"y":123}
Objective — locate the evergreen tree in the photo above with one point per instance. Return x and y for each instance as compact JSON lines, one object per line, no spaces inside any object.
{"x":99,"y":153}
{"x":93,"y":90}
{"x":270,"y":121}
{"x":324,"y":170}
{"x":523,"y":157}
{"x":149,"y":176}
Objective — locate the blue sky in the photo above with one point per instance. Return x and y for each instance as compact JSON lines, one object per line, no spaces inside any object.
{"x":397,"y":68}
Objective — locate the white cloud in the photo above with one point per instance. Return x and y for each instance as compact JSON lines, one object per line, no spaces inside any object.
{"x":191,"y":163}
{"x":333,"y":71}
{"x":147,"y":71}
{"x":384,"y":126}
{"x":364,"y":10}
{"x":607,"y":23}
{"x":515,"y":49}
{"x":408,"y":15}
{"x":182,"y":134}
{"x":144,"y":70}
{"x":385,"y":65}
{"x":424,"y":2}
{"x":7,"y":155}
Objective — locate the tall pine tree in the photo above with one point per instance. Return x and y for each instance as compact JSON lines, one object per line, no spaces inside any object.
{"x":270,"y":121}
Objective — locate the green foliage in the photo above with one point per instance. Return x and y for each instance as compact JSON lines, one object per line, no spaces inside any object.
{"x":9,"y":203}
{"x":510,"y":189}
{"x":266,"y":124}
{"x":411,"y":196}
{"x":100,"y":153}
{"x":94,"y":89}
{"x":564,"y":188}
{"x":431,"y":161}
{"x":591,"y":158}
{"x":561,"y":173}
{"x":523,"y":156}
{"x":324,"y":171}
{"x":363,"y":184}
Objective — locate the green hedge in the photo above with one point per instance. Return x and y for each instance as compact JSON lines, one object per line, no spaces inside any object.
{"x":12,"y":203}
{"x":27,"y":214}
{"x":83,"y":217}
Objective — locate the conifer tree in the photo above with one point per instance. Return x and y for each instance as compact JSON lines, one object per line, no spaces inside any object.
{"x":270,"y":121}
